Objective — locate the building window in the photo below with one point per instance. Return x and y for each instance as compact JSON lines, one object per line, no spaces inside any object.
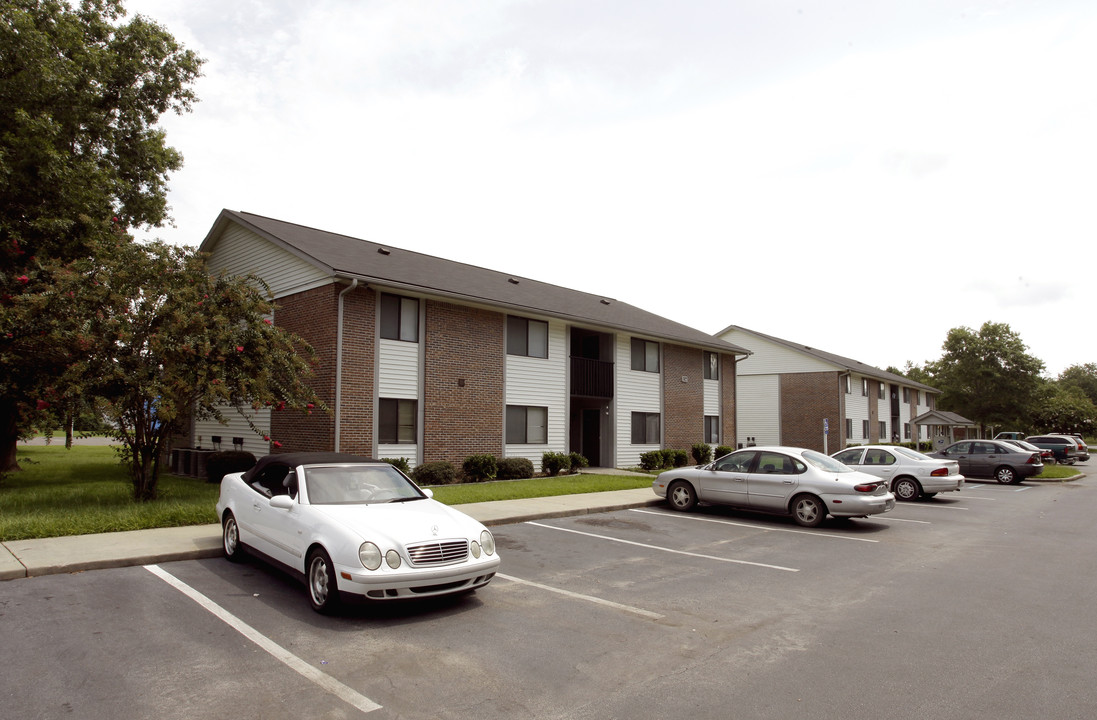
{"x":864,"y":428}
{"x":849,"y":386}
{"x":712,"y":429}
{"x":645,"y":355}
{"x":527,"y":337}
{"x":883,"y":431}
{"x":849,"y":428}
{"x":906,"y":431}
{"x":929,"y":401}
{"x":527,"y":425}
{"x":712,"y":366}
{"x":645,"y":428}
{"x":880,"y":391}
{"x":864,"y":387}
{"x":399,"y":318}
{"x":396,"y":422}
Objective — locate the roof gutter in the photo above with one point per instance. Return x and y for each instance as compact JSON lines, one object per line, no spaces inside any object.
{"x":339,"y":361}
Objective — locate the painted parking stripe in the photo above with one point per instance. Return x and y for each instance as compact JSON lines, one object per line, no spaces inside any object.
{"x":333,"y":686}
{"x":588,"y":598}
{"x":699,"y":518}
{"x":668,"y":550}
{"x":896,"y":519}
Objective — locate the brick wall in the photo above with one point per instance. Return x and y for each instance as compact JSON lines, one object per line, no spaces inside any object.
{"x":683,"y":402}
{"x":356,"y":434}
{"x":463,"y":389}
{"x":312,"y":315}
{"x":806,"y":399}
{"x":727,"y":400}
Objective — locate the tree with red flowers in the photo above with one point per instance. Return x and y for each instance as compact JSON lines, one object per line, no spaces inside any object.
{"x":165,"y":341}
{"x":81,"y":158}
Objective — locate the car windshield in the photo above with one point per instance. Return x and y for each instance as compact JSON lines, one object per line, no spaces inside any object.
{"x":824,"y":462}
{"x":911,"y":454}
{"x":358,"y":485}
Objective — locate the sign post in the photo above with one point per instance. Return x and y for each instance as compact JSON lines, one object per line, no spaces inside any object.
{"x":826,"y":431}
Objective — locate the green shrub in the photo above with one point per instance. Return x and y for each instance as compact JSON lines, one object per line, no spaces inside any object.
{"x":554,"y":462}
{"x":679,"y":458}
{"x":434,"y":473}
{"x":702,"y":453}
{"x":400,"y":464}
{"x":478,"y":468}
{"x":722,"y":450}
{"x":577,"y":460}
{"x":515,"y":468}
{"x":226,"y":462}
{"x":651,"y":460}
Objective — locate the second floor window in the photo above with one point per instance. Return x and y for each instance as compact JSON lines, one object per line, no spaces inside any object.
{"x":645,"y":355}
{"x":712,"y":366}
{"x":399,"y":318}
{"x":527,"y":337}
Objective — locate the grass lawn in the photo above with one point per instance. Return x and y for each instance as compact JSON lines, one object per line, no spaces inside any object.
{"x":85,"y":490}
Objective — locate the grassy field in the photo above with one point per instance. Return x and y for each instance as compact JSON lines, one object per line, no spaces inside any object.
{"x":84,"y":490}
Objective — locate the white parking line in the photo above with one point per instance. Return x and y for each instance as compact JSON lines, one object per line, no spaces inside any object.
{"x":934,"y":506}
{"x":588,"y":598}
{"x":663,"y":549}
{"x":1022,"y":489}
{"x":699,"y":518}
{"x":895,"y":519}
{"x":348,"y":695}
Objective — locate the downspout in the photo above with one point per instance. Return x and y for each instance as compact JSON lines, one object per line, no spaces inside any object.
{"x":339,"y":362}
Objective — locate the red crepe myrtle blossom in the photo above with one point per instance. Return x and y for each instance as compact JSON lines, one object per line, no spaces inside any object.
{"x":42,"y":404}
{"x":23,"y":279}
{"x":277,"y":444}
{"x":239,"y":348}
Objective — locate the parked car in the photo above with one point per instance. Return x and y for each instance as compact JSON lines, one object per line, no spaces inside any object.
{"x":792,"y":481}
{"x":993,"y":459}
{"x":910,"y":474}
{"x":1047,"y":456}
{"x":1065,"y":448}
{"x":1083,"y":449}
{"x":1009,"y":436}
{"x":352,"y":526}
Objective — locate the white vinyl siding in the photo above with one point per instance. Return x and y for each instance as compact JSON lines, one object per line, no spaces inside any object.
{"x":237,"y":426}
{"x":758,"y":409}
{"x":857,"y":408}
{"x":712,"y":397}
{"x":770,"y":358}
{"x":637,"y":391}
{"x":540,"y":382}
{"x":241,"y":252}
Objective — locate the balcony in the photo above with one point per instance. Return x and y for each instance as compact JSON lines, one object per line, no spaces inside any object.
{"x":591,"y":378}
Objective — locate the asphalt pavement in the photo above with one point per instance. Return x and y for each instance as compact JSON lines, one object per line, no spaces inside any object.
{"x":75,"y":553}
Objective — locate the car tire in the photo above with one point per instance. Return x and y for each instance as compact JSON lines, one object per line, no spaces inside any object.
{"x":682,"y":496}
{"x":1005,"y":475}
{"x":230,"y":539}
{"x":907,"y":489}
{"x":322,"y":586}
{"x":808,"y":510}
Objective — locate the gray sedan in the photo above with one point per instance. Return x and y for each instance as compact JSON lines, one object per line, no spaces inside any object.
{"x":993,"y":459}
{"x":911,"y":474}
{"x":791,"y":481}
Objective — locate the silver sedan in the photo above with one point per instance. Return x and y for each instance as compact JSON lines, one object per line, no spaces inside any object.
{"x":910,"y":474}
{"x":791,"y":481}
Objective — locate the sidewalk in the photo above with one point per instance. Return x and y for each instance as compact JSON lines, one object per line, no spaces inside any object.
{"x":47,"y":556}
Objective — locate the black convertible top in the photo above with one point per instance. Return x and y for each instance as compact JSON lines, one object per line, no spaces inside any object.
{"x":292,"y":460}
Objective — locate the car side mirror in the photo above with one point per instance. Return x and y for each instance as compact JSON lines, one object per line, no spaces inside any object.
{"x":282,"y":502}
{"x":428,"y":492}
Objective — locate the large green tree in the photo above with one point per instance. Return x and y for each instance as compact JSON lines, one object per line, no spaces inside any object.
{"x":1063,"y":408}
{"x":166,"y":340}
{"x":987,"y":375}
{"x":1082,"y":378}
{"x":81,"y":91}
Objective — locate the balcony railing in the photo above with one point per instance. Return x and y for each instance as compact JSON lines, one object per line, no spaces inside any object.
{"x":591,"y":378}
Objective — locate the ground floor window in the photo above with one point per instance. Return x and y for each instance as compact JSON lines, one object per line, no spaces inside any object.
{"x":645,"y":428}
{"x":849,"y":428}
{"x":396,"y":422}
{"x":864,"y":428}
{"x":883,"y":431}
{"x":712,"y":429}
{"x":527,"y":424}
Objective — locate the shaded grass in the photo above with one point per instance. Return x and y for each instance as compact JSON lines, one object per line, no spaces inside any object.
{"x":1057,"y":472}
{"x":85,"y":490}
{"x":536,"y":487}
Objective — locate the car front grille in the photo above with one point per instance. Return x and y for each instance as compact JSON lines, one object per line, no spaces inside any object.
{"x":440,"y":552}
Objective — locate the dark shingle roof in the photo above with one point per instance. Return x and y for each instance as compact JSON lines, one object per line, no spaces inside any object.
{"x":843,"y":362}
{"x":386,"y":266}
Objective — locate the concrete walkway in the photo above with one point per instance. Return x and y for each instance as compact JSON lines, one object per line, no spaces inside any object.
{"x":46,"y":556}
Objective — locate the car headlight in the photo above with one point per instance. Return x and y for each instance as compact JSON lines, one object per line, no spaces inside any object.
{"x":475,"y":549}
{"x":370,"y":555}
{"x":393,"y":559}
{"x":487,"y":542}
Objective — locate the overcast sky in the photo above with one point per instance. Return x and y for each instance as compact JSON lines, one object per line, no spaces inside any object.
{"x":858,"y":176}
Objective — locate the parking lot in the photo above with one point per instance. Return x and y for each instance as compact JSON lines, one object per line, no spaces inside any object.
{"x":979,"y":604}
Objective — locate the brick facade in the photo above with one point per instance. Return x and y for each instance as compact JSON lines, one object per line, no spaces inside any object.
{"x":807,"y":398}
{"x":356,"y":420}
{"x":728,"y":429}
{"x":683,"y":396}
{"x":463,"y":385}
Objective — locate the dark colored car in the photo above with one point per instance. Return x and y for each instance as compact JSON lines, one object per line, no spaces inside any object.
{"x":993,"y":459}
{"x":1048,"y":456}
{"x":1065,"y":449}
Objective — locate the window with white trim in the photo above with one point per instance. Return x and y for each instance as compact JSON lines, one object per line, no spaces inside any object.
{"x":527,"y":425}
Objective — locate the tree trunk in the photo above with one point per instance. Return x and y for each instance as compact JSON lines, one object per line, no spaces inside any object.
{"x":9,"y":437}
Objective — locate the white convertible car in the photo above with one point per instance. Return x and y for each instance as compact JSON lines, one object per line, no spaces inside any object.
{"x":353,"y":526}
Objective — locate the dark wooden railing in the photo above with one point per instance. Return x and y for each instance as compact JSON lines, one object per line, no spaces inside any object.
{"x":591,"y":378}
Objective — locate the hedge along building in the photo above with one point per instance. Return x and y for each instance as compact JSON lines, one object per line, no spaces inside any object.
{"x":429,"y":359}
